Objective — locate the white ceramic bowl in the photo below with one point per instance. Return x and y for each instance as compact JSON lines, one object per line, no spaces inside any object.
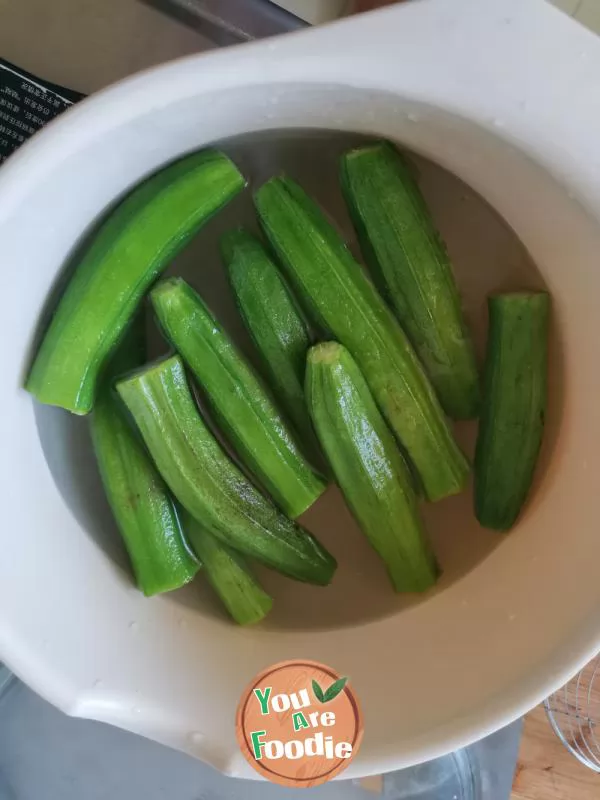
{"x":505,"y":95}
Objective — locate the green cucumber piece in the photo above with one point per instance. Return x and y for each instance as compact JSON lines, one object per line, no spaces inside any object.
{"x":134,"y":244}
{"x":229,"y":575}
{"x":514,"y":406}
{"x":344,"y":299}
{"x":241,"y":404}
{"x":369,"y":466}
{"x":208,"y":484}
{"x":411,"y":267}
{"x":140,"y":501}
{"x":273,"y":321}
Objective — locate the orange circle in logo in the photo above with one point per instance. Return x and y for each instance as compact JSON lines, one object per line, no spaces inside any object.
{"x":299,"y":723}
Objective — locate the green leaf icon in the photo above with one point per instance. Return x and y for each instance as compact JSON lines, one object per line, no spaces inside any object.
{"x":334,"y":690}
{"x":318,"y":692}
{"x":331,"y":693}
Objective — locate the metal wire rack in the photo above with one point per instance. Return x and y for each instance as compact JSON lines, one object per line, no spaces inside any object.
{"x":574,"y":713}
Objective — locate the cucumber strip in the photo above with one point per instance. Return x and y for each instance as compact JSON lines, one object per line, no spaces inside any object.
{"x":369,"y":467}
{"x":229,"y":575}
{"x":344,"y":299}
{"x":137,"y":240}
{"x":411,"y":267}
{"x":273,"y":321}
{"x":239,"y":401}
{"x":514,"y":406}
{"x":208,"y":484}
{"x":138,"y":496}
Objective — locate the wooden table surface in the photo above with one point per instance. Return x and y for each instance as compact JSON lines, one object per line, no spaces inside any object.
{"x":546,"y":770}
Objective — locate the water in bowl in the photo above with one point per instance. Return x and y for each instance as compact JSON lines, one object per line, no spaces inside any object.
{"x":487,"y":257}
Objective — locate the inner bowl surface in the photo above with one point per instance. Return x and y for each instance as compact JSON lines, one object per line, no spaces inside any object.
{"x":487,"y":257}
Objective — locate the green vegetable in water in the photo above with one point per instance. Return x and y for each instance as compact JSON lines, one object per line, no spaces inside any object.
{"x":324,"y":273}
{"x":411,"y":266}
{"x":208,"y":484}
{"x":368,"y":465}
{"x":514,"y":406}
{"x":273,"y":320}
{"x":240,"y":402}
{"x":141,"y":503}
{"x":138,"y":239}
{"x":229,"y":575}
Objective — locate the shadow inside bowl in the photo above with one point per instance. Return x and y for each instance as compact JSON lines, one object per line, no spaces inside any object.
{"x":487,"y":257}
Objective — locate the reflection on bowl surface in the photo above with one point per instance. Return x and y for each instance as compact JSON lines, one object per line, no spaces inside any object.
{"x":487,"y":257}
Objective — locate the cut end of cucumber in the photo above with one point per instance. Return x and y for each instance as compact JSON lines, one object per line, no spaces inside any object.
{"x":80,"y":403}
{"x":233,"y":240}
{"x":153,"y":588}
{"x":325,"y":353}
{"x":171,"y":364}
{"x":325,"y":574}
{"x":166,"y":285}
{"x":375,"y":149}
{"x":251,"y":607}
{"x":524,"y":296}
{"x":166,"y":295}
{"x":278,"y":185}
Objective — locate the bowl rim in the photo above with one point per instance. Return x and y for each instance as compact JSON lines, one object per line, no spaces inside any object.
{"x":561,"y":147}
